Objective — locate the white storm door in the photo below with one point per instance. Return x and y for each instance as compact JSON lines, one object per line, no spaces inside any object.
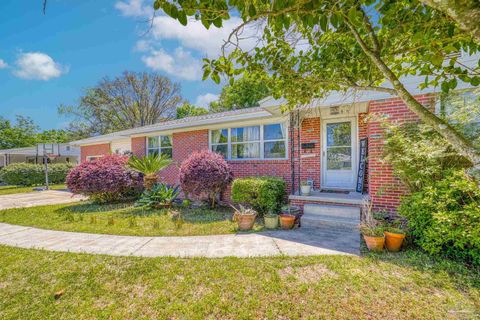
{"x":339,"y":153}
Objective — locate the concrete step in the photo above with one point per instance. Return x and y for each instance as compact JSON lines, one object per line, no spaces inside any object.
{"x":335,"y":216}
{"x":332,"y":211}
{"x":312,"y":220}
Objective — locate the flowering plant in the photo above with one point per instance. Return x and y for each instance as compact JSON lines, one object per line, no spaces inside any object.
{"x":106,"y":179}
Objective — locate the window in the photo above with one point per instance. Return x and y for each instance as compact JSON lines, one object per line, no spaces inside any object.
{"x":160,"y":145}
{"x":252,"y":142}
{"x":91,"y":158}
{"x":274,"y":141}
{"x":219,"y":141}
{"x":245,"y":142}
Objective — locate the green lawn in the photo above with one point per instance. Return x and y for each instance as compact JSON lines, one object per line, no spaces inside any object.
{"x":408,"y":285}
{"x":123,"y":219}
{"x":18,"y":189}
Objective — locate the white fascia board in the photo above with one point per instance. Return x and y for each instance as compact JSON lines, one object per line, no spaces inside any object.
{"x":200,"y":124}
{"x":98,"y":140}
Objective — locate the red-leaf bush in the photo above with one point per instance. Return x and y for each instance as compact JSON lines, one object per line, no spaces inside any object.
{"x":205,"y":174}
{"x":106,"y":179}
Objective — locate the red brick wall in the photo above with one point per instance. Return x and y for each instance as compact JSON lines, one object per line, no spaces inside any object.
{"x":310,"y":158}
{"x":384,"y":188}
{"x":139,"y":146}
{"x":184,"y":143}
{"x":94,"y":150}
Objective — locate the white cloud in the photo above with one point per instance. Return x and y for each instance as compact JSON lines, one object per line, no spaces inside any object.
{"x":38,"y":66}
{"x":180,"y":64}
{"x":204,"y":100}
{"x":3,"y":64}
{"x":195,"y":36}
{"x":134,"y":8}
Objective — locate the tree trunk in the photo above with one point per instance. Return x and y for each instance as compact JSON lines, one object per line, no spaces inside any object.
{"x":466,"y":13}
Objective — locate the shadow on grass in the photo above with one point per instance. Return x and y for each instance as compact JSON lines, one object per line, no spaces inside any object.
{"x":190,"y":215}
{"x":461,"y":274}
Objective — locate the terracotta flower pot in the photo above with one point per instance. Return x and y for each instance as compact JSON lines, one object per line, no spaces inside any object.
{"x":374,"y":243}
{"x":271,"y":222}
{"x":393,"y":241}
{"x":245,"y":221}
{"x":287,"y":221}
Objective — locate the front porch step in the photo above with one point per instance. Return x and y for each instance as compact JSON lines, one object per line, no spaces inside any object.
{"x":315,"y":215}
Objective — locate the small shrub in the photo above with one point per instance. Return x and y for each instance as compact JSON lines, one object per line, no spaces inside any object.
{"x":159,"y":194}
{"x":105,"y":179}
{"x":419,"y":155}
{"x":205,"y":174}
{"x":29,"y":174}
{"x":444,"y":218}
{"x":264,"y":194}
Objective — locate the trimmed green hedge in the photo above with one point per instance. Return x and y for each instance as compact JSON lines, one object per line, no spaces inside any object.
{"x":264,"y":194}
{"x":29,"y":174}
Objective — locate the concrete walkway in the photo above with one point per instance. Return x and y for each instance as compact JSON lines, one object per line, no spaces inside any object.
{"x":37,"y":198}
{"x":303,"y":241}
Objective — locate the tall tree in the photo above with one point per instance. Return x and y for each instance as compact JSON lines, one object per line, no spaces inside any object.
{"x":127,"y":101}
{"x":311,"y":47}
{"x":25,"y":133}
{"x":20,"y":134}
{"x":189,"y":110}
{"x":245,"y":92}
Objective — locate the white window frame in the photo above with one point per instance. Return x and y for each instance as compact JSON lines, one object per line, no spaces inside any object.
{"x":229,"y":142}
{"x":90,"y":158}
{"x":159,"y":148}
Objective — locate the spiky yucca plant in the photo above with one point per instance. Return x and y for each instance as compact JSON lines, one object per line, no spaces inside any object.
{"x":149,"y":166}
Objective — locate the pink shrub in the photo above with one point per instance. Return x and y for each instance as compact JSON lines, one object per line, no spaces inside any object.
{"x":105,"y":179}
{"x":205,"y":175}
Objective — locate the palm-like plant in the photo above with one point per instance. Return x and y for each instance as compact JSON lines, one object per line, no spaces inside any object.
{"x":149,"y":165}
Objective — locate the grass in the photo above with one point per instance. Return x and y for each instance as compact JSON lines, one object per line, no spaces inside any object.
{"x":4,"y":190}
{"x":124,"y":219}
{"x":409,"y":285}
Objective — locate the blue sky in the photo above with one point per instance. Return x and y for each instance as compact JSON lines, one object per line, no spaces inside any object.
{"x":48,"y":60}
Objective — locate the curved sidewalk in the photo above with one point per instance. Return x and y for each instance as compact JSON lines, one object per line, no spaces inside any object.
{"x":301,"y":241}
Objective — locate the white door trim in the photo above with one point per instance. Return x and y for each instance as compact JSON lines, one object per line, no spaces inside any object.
{"x":323,"y":164}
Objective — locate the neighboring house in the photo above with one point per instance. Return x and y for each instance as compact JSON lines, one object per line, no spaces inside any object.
{"x":63,"y":152}
{"x":262,"y":141}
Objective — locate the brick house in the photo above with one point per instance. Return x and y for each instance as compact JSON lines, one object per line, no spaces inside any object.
{"x":319,"y":143}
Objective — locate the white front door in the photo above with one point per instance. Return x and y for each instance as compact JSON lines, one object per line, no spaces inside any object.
{"x":339,"y":143}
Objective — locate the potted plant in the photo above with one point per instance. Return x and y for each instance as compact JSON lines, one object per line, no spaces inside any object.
{"x":372,"y":232}
{"x":287,"y":221}
{"x":305,"y":188}
{"x":373,"y":236}
{"x":271,"y":220}
{"x":245,"y":217}
{"x":293,"y":210}
{"x":394,"y":238}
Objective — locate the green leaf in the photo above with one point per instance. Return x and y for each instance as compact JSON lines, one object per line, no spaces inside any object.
{"x":182,"y":17}
{"x":205,"y":23}
{"x":206,"y":73}
{"x":252,"y":11}
{"x":156,"y":4}
{"x":323,"y":23}
{"x":216,"y":77}
{"x":217,"y":22}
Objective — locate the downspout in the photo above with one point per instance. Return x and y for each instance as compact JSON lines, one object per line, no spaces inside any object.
{"x":292,"y":154}
{"x":298,"y":152}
